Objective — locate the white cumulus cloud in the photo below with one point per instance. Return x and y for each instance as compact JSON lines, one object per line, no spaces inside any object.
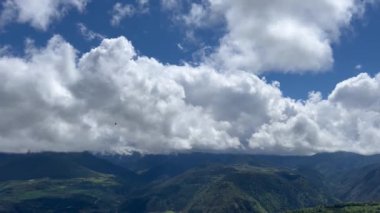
{"x":38,"y":13}
{"x":275,"y":35}
{"x":111,"y":99}
{"x":349,"y":120}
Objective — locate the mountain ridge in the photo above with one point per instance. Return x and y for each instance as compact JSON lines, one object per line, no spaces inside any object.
{"x":196,"y":182}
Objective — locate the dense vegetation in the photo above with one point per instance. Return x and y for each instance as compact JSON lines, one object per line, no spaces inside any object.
{"x":92,"y":193}
{"x":229,"y":189}
{"x":344,"y":208}
{"x":188,"y":183}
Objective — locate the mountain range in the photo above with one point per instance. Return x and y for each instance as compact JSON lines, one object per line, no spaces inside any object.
{"x":193,"y":182}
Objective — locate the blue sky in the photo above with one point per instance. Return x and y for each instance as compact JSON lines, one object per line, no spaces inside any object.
{"x":191,"y":75}
{"x":155,"y":34}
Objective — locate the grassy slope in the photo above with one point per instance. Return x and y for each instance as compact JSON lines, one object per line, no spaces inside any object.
{"x":344,"y":208}
{"x":231,"y":189}
{"x":61,"y":182}
{"x":38,"y":194}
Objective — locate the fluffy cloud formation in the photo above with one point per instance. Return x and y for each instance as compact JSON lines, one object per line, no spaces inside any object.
{"x":358,"y":93}
{"x":115,"y":100}
{"x":38,"y":13}
{"x":111,"y":99}
{"x":275,"y":35}
{"x":349,"y":120}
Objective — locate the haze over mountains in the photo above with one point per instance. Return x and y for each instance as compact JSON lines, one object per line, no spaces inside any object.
{"x":195,"y":182}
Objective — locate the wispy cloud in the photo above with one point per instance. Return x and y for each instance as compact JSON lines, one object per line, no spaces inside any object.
{"x":121,"y":11}
{"x":89,"y":34}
